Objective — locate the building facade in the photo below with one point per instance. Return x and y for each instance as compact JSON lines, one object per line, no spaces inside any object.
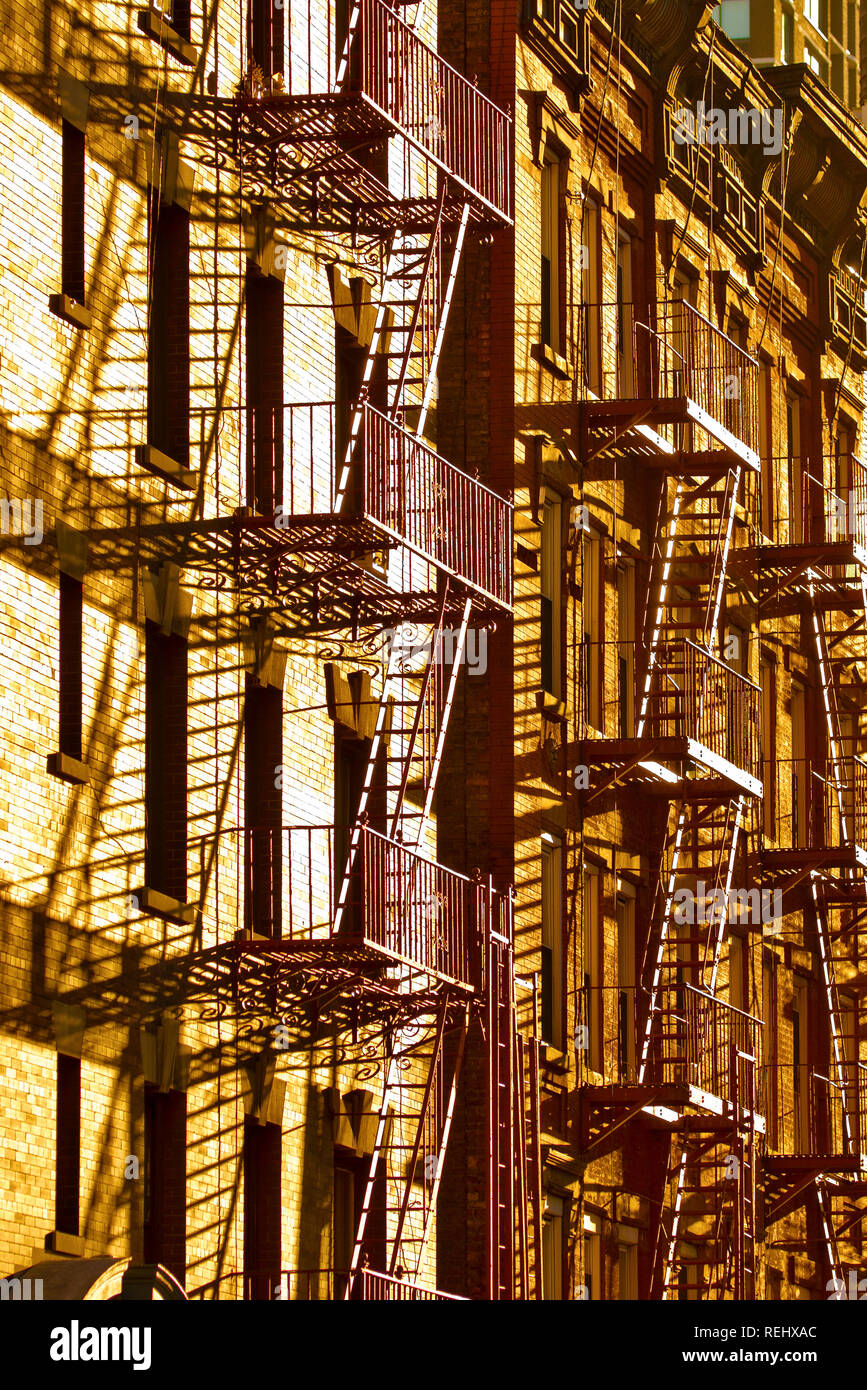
{"x":433,"y":559}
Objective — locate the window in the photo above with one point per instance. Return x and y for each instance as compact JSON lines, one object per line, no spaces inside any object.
{"x":593,"y":614}
{"x":72,"y":212}
{"x":768,"y":681}
{"x":816,"y":11}
{"x":165,"y":1213}
{"x":552,"y":940}
{"x":550,"y":590}
{"x":769,"y":511}
{"x":264,"y":392}
{"x":264,"y":36}
{"x":262,"y":1162}
{"x":627,"y":1263}
{"x":799,"y":788}
{"x":625,"y":320}
{"x":178,"y":14}
{"x":68,"y":1144}
{"x":769,"y":1017}
{"x":787,"y":54}
{"x":796,"y":469}
{"x":626,"y":1010}
{"x":551,"y":221}
{"x":166,"y":762}
{"x":351,"y":761}
{"x":69,"y":683}
{"x":626,"y":654}
{"x":816,"y":62}
{"x":263,"y":807}
{"x":734,"y":17}
{"x":169,"y":331}
{"x":593,"y":967}
{"x":738,"y":981}
{"x":592,"y":295}
{"x":800,"y":1055}
{"x":593,"y":1256}
{"x":553,"y":1247}
{"x":351,"y":1175}
{"x":690,"y":1275}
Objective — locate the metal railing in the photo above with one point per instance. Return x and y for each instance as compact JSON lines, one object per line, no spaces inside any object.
{"x":819,"y":804}
{"x":420,"y":95}
{"x":296,"y":456}
{"x":408,"y":909}
{"x":675,"y":353}
{"x":696,"y":1039}
{"x":814,"y":500}
{"x":688,"y":693}
{"x":325,"y":1285}
{"x":829,"y":1117}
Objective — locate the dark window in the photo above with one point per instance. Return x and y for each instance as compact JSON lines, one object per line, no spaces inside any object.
{"x":166,"y":762}
{"x":68,"y":1143}
{"x":263,"y":807}
{"x":265,"y":36}
{"x":165,"y":1216}
{"x":262,"y":1208}
{"x":350,"y":1185}
{"x":72,"y":213}
{"x":180,"y":10}
{"x":264,"y":392}
{"x":71,"y":595}
{"x":169,"y":336}
{"x":349,"y":362}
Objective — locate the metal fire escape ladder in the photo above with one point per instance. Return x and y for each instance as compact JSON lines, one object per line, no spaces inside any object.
{"x":503,"y":1100}
{"x":413,"y":1126}
{"x":831,"y":712}
{"x":744,"y":1100}
{"x":700,"y":516}
{"x":829,"y":1235}
{"x":701,"y":847}
{"x":835,"y":1018}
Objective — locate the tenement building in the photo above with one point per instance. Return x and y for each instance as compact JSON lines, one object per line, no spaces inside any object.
{"x":433,"y":548}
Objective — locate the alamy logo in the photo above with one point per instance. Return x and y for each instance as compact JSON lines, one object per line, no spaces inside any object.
{"x":20,"y":1289}
{"x":714,"y":126}
{"x":853,"y":1288}
{"x":19,"y":518}
{"x":406,"y":646}
{"x":76,"y":1343}
{"x":715,"y":905}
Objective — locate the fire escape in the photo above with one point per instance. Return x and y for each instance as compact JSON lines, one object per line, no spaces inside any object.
{"x":815,"y":851}
{"x":372,"y":135}
{"x":689,"y":1060}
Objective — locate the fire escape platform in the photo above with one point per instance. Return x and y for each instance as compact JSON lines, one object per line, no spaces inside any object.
{"x":648,"y":414}
{"x":653,"y":762}
{"x":789,"y":574}
{"x":815,"y":859}
{"x":310,"y":562}
{"x":606,"y":1108}
{"x":790,"y":1180}
{"x":331,"y":122}
{"x":310,"y":984}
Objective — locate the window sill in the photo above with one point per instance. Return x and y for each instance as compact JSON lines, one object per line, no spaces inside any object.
{"x":550,"y":705}
{"x":245,"y":935}
{"x":68,"y":769}
{"x":61,"y":1243}
{"x":553,"y":1059}
{"x":70,"y":311}
{"x":548,"y":358}
{"x":154,"y":904}
{"x":154,"y":24}
{"x":155,"y":461}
